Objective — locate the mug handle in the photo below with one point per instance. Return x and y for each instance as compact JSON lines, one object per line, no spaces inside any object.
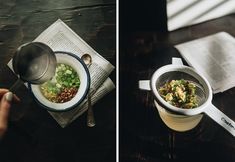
{"x":222,"y":119}
{"x":144,"y":85}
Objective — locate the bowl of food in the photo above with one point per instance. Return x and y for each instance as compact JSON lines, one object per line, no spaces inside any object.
{"x":68,"y":88}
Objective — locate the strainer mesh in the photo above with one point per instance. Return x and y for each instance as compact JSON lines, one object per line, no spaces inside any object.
{"x":178,"y":75}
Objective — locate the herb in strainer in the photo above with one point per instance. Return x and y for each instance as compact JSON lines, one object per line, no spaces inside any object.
{"x":179,"y":93}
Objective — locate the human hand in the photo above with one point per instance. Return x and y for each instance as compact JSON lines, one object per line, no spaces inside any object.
{"x":5,"y":104}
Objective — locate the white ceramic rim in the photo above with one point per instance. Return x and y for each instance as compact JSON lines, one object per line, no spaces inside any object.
{"x":190,"y":71}
{"x":84,"y":76}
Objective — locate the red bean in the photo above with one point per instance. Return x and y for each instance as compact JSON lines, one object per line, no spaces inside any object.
{"x":66,"y":95}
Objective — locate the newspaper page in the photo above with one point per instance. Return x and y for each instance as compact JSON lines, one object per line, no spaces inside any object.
{"x":212,"y":56}
{"x":60,"y":37}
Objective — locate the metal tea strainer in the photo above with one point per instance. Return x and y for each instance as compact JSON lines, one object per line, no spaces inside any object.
{"x":203,"y":93}
{"x":33,"y":62}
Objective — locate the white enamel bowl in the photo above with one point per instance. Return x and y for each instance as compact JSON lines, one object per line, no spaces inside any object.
{"x":79,"y":66}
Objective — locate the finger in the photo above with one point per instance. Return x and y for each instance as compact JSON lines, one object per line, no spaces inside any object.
{"x":3,"y":91}
{"x":5,"y":109}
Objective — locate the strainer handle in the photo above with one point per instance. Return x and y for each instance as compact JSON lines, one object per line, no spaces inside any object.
{"x":144,"y":85}
{"x":16,"y":85}
{"x":222,"y":119}
{"x":177,"y":61}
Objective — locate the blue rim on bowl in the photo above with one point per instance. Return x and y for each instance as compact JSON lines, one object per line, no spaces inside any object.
{"x":81,"y":98}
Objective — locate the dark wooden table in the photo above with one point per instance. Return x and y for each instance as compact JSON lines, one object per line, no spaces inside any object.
{"x":33,"y":135}
{"x":143,"y":135}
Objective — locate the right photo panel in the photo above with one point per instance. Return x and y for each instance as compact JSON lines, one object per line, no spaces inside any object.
{"x":176,"y":76}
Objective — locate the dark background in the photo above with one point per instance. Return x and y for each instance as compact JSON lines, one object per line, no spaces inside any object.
{"x":33,"y":135}
{"x":136,"y":15}
{"x":145,"y":45}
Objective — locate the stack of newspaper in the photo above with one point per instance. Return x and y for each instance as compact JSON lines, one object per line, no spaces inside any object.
{"x":214,"y":57}
{"x":60,"y":37}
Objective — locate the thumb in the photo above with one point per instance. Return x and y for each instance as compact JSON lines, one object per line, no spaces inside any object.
{"x":5,"y":109}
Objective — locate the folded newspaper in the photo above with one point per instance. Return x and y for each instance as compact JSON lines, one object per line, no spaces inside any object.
{"x":60,"y":37}
{"x":213,"y":56}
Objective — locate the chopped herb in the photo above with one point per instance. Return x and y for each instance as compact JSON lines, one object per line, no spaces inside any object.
{"x":180,"y":93}
{"x":63,"y":86}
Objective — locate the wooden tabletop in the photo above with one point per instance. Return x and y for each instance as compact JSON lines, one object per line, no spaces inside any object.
{"x":33,"y":134}
{"x":143,"y":135}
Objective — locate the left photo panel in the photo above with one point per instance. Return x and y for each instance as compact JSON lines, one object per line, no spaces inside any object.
{"x":58,"y":81}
